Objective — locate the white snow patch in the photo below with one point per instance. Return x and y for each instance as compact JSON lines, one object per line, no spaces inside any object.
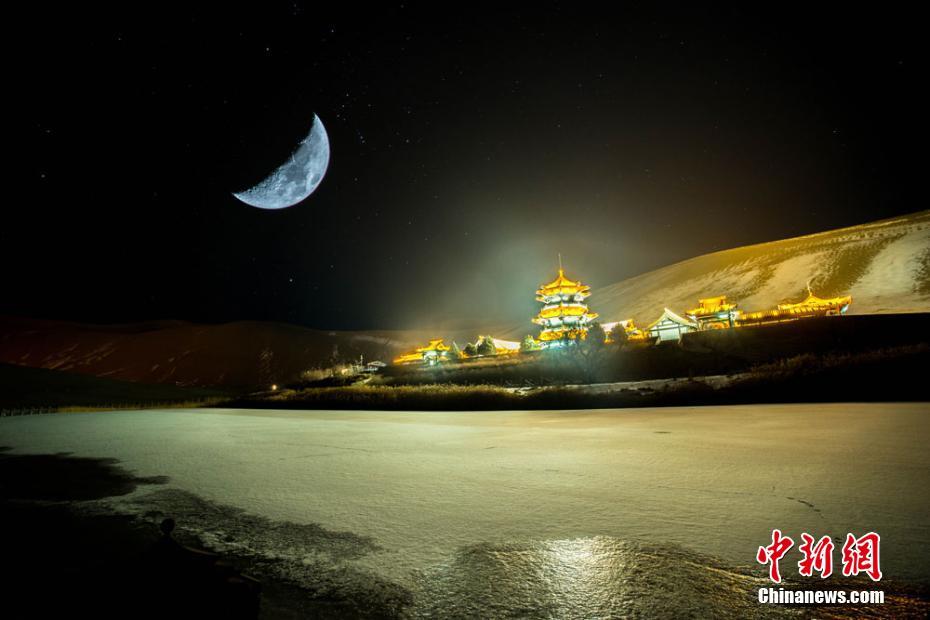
{"x":424,"y":485}
{"x":890,"y":281}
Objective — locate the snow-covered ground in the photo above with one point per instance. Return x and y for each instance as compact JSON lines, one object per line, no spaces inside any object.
{"x":441,"y":498}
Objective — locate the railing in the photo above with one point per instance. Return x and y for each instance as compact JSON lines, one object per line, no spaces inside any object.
{"x":16,"y":411}
{"x":43,"y":409}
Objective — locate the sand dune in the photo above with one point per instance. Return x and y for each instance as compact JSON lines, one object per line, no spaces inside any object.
{"x":884,"y":265}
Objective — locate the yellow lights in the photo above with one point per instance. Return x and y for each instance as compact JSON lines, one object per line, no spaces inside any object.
{"x":408,"y":357}
{"x":274,"y":387}
{"x":562,"y":286}
{"x":712,"y":305}
{"x":505,"y":347}
{"x":716,"y":313}
{"x":549,"y":312}
{"x":810,"y":307}
{"x":814,"y":303}
{"x":434,"y":345}
{"x":436,"y":351}
{"x":431,"y":352}
{"x":563,"y":316}
{"x":548,"y":335}
{"x":632,"y":332}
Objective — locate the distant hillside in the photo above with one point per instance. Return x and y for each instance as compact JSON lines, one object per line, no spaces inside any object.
{"x":235,"y":355}
{"x":884,"y":265}
{"x":24,"y":387}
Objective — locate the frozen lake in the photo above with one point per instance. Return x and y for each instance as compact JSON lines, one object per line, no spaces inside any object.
{"x":522,"y":513}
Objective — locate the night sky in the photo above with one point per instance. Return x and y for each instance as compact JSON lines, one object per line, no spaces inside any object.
{"x":468,"y":149}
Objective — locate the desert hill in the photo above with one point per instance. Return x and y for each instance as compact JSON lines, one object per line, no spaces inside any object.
{"x":243,"y":354}
{"x":884,"y":265}
{"x":25,"y":389}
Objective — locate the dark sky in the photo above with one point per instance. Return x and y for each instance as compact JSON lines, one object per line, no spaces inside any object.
{"x":468,"y":149}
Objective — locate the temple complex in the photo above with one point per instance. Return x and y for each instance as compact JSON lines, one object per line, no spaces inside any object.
{"x":430,"y":354}
{"x":718,"y":313}
{"x":714,"y":313}
{"x":670,"y":327}
{"x":564,"y":316}
{"x":813,"y":306}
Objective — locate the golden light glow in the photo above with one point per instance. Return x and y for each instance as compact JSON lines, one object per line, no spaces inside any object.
{"x":549,"y":335}
{"x":811,"y":307}
{"x":505,"y":347}
{"x":564,"y":315}
{"x":816,"y":303}
{"x":632,"y":332}
{"x":712,"y":305}
{"x":562,"y":286}
{"x":549,"y":312}
{"x":434,"y":348}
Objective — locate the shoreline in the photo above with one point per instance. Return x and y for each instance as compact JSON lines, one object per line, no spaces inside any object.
{"x":99,"y":548}
{"x":623,"y":507}
{"x":92,"y":559}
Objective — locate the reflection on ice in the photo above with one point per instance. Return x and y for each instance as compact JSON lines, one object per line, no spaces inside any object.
{"x":602,"y":577}
{"x":404,"y":514}
{"x":582,"y":577}
{"x":584,"y":569}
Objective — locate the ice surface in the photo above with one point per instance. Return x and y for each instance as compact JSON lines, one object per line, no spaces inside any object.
{"x":422,"y":488}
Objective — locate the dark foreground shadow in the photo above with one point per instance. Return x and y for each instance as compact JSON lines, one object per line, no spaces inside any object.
{"x":58,"y":563}
{"x":62,"y":477}
{"x":64,"y":558}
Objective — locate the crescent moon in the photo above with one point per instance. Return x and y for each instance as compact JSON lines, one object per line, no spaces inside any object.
{"x":296,"y":178}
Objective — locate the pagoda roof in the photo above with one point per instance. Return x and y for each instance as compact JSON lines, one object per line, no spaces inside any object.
{"x":434,"y":345}
{"x":711,"y":305}
{"x":542,"y":318}
{"x":565,"y":310}
{"x":675,"y":318}
{"x":417,"y":354}
{"x":562,"y":286}
{"x":813,"y":301}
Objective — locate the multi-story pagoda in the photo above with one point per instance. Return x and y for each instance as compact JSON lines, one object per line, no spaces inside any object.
{"x":564,"y":316}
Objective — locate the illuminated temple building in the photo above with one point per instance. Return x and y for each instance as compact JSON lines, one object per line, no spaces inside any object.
{"x":633,"y":333}
{"x":813,"y":306}
{"x":564,"y":316}
{"x":430,"y":354}
{"x":437,"y":351}
{"x":670,"y":327}
{"x":718,"y":313}
{"x":714,"y":313}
